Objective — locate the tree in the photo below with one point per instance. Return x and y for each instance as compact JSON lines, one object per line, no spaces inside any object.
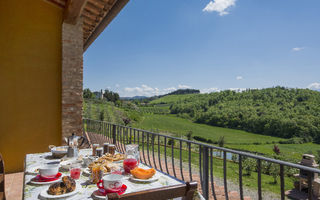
{"x":111,"y":96}
{"x":221,"y":141}
{"x":189,"y":135}
{"x":276,"y":149}
{"x":278,"y":111}
{"x":87,"y":94}
{"x":101,"y":115}
{"x":126,"y":120}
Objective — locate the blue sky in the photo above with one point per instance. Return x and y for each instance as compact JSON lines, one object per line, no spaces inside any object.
{"x":154,"y":47}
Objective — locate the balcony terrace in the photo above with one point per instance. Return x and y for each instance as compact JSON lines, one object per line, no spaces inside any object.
{"x":42,"y":79}
{"x":194,"y":161}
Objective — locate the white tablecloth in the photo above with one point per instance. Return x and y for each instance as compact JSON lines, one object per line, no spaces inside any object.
{"x":32,"y":191}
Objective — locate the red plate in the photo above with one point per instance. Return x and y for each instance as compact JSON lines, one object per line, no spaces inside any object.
{"x":122,"y":190}
{"x":39,"y":178}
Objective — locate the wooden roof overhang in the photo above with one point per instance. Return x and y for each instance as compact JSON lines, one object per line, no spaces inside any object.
{"x":96,"y":14}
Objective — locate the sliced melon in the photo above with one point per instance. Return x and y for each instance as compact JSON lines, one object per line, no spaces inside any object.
{"x":143,"y":173}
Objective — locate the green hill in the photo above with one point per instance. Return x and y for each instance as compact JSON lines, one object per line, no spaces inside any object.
{"x":170,"y":99}
{"x":278,"y":111}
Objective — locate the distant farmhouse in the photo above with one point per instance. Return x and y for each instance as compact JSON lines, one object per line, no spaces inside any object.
{"x":99,"y":95}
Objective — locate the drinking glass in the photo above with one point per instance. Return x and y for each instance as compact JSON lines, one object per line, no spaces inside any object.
{"x":75,"y":171}
{"x":96,"y":174}
{"x":132,"y":157}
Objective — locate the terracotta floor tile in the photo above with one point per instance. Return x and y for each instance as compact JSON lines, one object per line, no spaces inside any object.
{"x":14,"y":185}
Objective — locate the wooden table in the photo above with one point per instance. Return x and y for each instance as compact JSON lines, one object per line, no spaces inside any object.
{"x":165,"y":182}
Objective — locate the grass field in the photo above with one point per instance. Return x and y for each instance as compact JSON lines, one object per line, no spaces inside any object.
{"x":289,"y":150}
{"x":110,"y":112}
{"x":180,"y":127}
{"x":235,"y":139}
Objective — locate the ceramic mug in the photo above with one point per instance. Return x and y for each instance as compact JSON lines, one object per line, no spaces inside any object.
{"x":110,"y":182}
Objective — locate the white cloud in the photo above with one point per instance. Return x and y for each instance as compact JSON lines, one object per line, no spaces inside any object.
{"x":117,"y":85}
{"x":134,"y":89}
{"x":209,"y":90}
{"x":314,"y":86}
{"x":297,"y":48}
{"x":145,"y":90}
{"x":219,"y":6}
{"x":237,"y":89}
{"x":239,"y":77}
{"x":184,"y":86}
{"x":170,"y":89}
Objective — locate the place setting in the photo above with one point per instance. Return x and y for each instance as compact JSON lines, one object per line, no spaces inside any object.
{"x":111,"y":183}
{"x":95,"y":174}
{"x":47,"y":174}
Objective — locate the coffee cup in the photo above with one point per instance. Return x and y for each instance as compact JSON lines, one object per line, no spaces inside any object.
{"x":49,"y":170}
{"x":110,"y":182}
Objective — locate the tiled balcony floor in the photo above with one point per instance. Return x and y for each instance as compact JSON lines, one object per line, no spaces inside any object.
{"x":14,"y":186}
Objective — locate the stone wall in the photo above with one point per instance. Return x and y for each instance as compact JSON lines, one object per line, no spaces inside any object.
{"x":72,"y":78}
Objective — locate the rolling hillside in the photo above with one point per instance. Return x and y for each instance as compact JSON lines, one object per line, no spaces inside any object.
{"x":279,"y":111}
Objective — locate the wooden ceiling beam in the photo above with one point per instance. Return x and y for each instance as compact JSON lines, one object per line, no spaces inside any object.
{"x":93,"y":12}
{"x":90,"y":7}
{"x":86,"y":29}
{"x":85,"y":23}
{"x":113,"y":12}
{"x":107,"y":7}
{"x":90,"y":21}
{"x":112,"y":2}
{"x":88,"y":26}
{"x":102,"y":1}
{"x":73,"y":10}
{"x":91,"y":16}
{"x":98,"y":4}
{"x":94,"y":5}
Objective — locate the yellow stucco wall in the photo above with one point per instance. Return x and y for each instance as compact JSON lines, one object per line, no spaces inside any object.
{"x":30,"y":79}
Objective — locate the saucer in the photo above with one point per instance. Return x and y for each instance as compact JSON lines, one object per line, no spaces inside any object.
{"x":101,"y":193}
{"x":42,"y":181}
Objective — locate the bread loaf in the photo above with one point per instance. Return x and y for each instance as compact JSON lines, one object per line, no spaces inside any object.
{"x":67,"y":185}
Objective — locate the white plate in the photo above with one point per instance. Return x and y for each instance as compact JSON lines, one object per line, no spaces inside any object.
{"x":87,"y":171}
{"x":45,"y":183}
{"x":33,"y":171}
{"x":152,"y":179}
{"x":67,"y":163}
{"x":59,"y":150}
{"x":44,"y":193}
{"x":96,"y":195}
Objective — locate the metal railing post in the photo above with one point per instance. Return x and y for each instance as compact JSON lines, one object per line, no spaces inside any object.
{"x":205,"y":174}
{"x":310,"y":189}
{"x":114,"y":133}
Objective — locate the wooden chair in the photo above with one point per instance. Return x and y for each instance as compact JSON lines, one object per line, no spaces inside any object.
{"x":2,"y":189}
{"x":186,"y":191}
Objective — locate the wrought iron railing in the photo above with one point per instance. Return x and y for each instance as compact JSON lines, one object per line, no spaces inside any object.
{"x":184,"y":153}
